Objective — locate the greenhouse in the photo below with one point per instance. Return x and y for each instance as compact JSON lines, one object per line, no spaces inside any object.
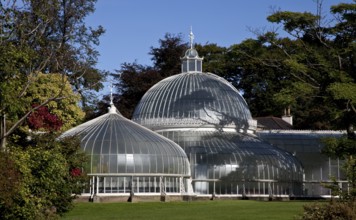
{"x":192,"y":134}
{"x":126,"y":158}
{"x":211,"y":121}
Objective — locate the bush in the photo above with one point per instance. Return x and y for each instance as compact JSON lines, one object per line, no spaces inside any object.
{"x":334,"y":210}
{"x":46,"y":184}
{"x":10,"y":178}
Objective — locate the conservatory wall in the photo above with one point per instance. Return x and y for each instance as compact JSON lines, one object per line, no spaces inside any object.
{"x":307,"y":147}
{"x":238,"y":164}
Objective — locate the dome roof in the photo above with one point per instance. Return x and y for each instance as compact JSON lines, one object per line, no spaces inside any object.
{"x":193,"y":100}
{"x":234,"y":156}
{"x":118,"y":145}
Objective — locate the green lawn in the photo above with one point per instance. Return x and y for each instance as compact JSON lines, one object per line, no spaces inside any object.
{"x":237,"y":209}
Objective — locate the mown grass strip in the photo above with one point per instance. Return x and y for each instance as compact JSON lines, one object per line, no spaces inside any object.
{"x":239,"y":209}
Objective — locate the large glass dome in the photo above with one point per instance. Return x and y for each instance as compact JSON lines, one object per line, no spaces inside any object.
{"x":211,"y":121}
{"x":193,"y":100}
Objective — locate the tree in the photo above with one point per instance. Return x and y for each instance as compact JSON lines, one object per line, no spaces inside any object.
{"x":66,"y":108}
{"x":48,"y":37}
{"x":166,"y":60}
{"x":46,"y":50}
{"x":320,"y":63}
{"x":257,"y":74}
{"x":58,"y":37}
{"x":214,"y":58}
{"x":131,"y":75}
{"x":10,"y":182}
{"x":51,"y":92}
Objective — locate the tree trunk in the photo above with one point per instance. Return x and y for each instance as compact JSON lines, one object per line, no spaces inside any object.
{"x":2,"y":132}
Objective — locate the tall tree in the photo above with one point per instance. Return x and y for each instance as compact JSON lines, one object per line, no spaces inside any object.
{"x":257,"y":75}
{"x":166,"y":58}
{"x":48,"y":37}
{"x":321,"y":62}
{"x":133,"y":82}
{"x":215,"y":59}
{"x":46,"y":50}
{"x":166,"y":62}
{"x":60,"y":39}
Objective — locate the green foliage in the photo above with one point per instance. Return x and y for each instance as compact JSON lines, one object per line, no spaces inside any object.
{"x":12,"y":61}
{"x":289,"y":96}
{"x":45,"y":186}
{"x":56,"y":85}
{"x":294,"y":20}
{"x":341,"y":147}
{"x":50,"y":90}
{"x":166,"y":57}
{"x":131,"y":75}
{"x":10,"y":183}
{"x":248,"y":70}
{"x":48,"y":37}
{"x":321,"y":58}
{"x":346,"y":91}
{"x":214,"y":59}
{"x":330,"y":211}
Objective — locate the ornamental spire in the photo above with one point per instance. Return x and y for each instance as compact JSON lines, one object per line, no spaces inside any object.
{"x":112,"y":108}
{"x":191,"y":37}
{"x":111,"y":96}
{"x":191,"y":62}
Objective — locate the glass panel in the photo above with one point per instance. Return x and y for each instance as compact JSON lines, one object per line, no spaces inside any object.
{"x":121,"y":163}
{"x":184,"y":65}
{"x":191,"y":65}
{"x":199,"y":65}
{"x":130,"y":163}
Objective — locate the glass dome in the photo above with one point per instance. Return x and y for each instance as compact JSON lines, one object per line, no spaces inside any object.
{"x":127,"y":158}
{"x":211,"y":121}
{"x":118,"y":145}
{"x":193,"y":100}
{"x":234,"y":163}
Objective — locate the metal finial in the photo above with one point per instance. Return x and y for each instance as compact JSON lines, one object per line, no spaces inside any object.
{"x":111,"y":96}
{"x":191,"y":37}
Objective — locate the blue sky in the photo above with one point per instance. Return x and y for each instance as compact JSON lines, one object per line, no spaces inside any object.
{"x":133,"y":26}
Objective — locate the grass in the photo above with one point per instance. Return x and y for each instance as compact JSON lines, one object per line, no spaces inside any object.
{"x":237,"y":209}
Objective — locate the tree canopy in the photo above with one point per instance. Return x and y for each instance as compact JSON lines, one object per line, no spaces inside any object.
{"x":39,"y":36}
{"x":47,"y":69}
{"x":166,"y":59}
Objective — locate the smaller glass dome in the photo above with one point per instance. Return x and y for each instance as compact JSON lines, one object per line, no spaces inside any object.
{"x":118,"y":145}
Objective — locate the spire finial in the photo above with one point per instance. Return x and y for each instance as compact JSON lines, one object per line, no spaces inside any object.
{"x":191,"y":37}
{"x":112,"y":108}
{"x":111,"y":96}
